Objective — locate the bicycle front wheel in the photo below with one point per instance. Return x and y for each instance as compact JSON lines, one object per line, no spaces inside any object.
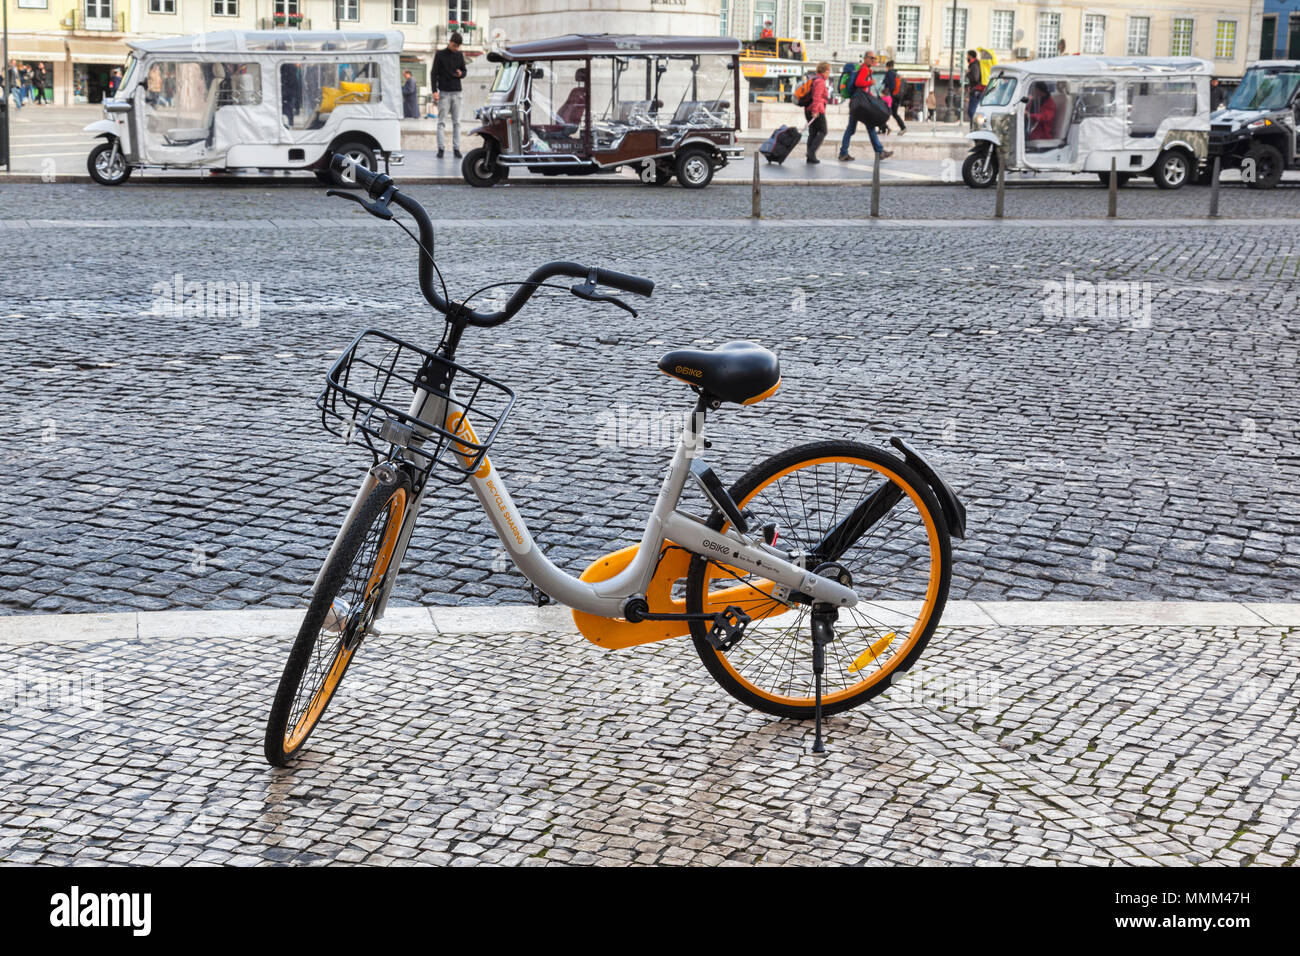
{"x":338,"y":619}
{"x":871,"y":514}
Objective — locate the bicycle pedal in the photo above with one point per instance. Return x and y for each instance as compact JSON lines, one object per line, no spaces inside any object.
{"x":728,"y":628}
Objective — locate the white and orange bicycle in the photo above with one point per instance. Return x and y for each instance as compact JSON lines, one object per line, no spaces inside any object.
{"x":819,"y":575}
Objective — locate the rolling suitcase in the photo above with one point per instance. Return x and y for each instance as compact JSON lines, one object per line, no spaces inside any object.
{"x":780,"y":143}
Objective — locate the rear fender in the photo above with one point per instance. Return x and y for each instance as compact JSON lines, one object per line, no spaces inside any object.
{"x":954,"y":512}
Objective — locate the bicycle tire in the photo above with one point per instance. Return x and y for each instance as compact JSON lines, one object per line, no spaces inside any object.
{"x":729,"y":674}
{"x":287,"y":734}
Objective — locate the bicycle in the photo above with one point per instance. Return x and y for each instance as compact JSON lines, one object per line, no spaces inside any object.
{"x":759,"y":585}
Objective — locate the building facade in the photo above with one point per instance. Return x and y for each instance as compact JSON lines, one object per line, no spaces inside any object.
{"x":1279,"y":34}
{"x":514,"y":21}
{"x":82,"y":41}
{"x":923,"y":34}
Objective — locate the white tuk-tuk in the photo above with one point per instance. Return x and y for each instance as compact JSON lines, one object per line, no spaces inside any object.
{"x":267,"y":99}
{"x":1077,"y":113}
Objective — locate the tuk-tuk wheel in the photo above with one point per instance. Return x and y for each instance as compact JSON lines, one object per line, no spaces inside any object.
{"x":480,"y":167}
{"x":104,"y":168}
{"x":694,"y":167}
{"x":981,"y":167}
{"x":1172,"y":169}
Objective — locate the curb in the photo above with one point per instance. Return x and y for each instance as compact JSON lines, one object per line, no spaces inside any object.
{"x":525,"y":618}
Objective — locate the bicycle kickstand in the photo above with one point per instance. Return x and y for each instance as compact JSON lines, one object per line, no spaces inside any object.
{"x":823,"y":632}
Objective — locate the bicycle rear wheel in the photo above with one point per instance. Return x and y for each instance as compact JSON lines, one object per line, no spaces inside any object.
{"x":338,"y":619}
{"x":900,"y":564}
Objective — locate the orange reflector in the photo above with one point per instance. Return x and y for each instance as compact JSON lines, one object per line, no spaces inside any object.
{"x":871,"y":653}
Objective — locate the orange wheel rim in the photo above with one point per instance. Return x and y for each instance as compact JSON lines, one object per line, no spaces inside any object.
{"x":898,"y":651}
{"x":295,"y":735}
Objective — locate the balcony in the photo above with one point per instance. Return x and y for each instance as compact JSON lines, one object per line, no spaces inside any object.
{"x":470,"y":33}
{"x":114,"y":23}
{"x":292,"y":21}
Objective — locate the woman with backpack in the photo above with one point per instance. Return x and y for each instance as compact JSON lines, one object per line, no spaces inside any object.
{"x":814,"y":102}
{"x":862,"y":83}
{"x":895,"y":88}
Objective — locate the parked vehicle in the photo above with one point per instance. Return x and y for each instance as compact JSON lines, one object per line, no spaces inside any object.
{"x":576,"y":105}
{"x":1258,"y":130}
{"x":1151,"y":115}
{"x":265,"y":99}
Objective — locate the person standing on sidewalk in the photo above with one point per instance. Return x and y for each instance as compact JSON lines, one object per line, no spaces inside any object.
{"x":863,"y":81}
{"x":410,"y":97}
{"x":895,"y":87}
{"x":448,"y":70}
{"x":815,"y":113}
{"x":974,"y":84}
{"x":38,"y":81}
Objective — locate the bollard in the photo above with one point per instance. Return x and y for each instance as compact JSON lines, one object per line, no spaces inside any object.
{"x":1214,"y":189}
{"x":1112,"y":200}
{"x":756,"y":212}
{"x":1002,"y":188}
{"x":875,"y":187}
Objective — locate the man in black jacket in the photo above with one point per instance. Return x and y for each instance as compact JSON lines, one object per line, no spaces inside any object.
{"x":448,"y":70}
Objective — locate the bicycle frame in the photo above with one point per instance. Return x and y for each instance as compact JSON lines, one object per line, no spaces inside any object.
{"x":607,"y":598}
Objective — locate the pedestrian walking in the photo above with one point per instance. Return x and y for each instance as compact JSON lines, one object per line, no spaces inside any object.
{"x":14,"y":83}
{"x":40,"y":81}
{"x":894,"y":88}
{"x":114,"y":79}
{"x":974,"y":84}
{"x":410,"y":97}
{"x":26,"y":72}
{"x":815,"y":111}
{"x":863,"y":81}
{"x":448,"y":70}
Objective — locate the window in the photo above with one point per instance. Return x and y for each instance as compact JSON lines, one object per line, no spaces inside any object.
{"x":225,"y":8}
{"x":458,"y":11}
{"x":764,"y":16}
{"x":309,"y":92}
{"x":814,"y":21}
{"x":1180,"y":37}
{"x":285,"y":7}
{"x":347,"y":10}
{"x":1094,"y":33}
{"x":404,"y":11}
{"x":1004,"y":29}
{"x":1139,"y":35}
{"x":1049,"y":34}
{"x":99,"y":14}
{"x":162,"y":6}
{"x":947,"y":41}
{"x":1225,"y":40}
{"x":724,"y":18}
{"x":860,"y":23}
{"x":909,"y":33}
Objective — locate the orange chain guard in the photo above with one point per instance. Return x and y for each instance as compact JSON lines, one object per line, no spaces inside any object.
{"x":613,"y":633}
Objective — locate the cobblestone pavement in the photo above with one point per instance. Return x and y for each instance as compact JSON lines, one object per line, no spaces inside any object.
{"x":1064,"y":745}
{"x":155,"y":459}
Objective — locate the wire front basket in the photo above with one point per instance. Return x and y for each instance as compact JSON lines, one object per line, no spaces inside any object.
{"x":367,"y":400}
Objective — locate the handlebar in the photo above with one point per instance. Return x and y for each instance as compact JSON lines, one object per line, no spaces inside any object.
{"x":383,"y":191}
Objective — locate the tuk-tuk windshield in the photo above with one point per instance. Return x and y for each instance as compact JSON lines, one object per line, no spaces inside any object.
{"x":127,"y":69}
{"x":505,"y":77}
{"x":1264,"y":89}
{"x":1000,"y":90}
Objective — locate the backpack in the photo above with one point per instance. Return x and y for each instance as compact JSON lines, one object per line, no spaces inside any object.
{"x":803,"y":93}
{"x":898,"y":85}
{"x":844,"y":88}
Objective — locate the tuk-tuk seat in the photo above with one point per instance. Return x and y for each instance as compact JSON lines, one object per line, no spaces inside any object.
{"x":700,"y":113}
{"x":185,"y":135}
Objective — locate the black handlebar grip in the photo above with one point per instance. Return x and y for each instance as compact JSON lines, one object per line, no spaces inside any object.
{"x":365,"y":178}
{"x":621,"y":280}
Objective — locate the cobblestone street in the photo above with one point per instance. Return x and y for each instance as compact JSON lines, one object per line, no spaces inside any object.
{"x":158,"y":460}
{"x":1114,"y":401}
{"x":1024,"y":745}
